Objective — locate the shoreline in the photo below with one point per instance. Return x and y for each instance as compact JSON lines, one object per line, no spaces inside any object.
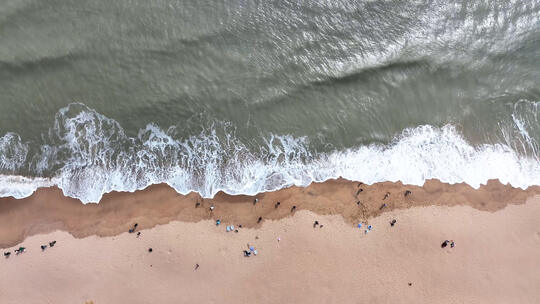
{"x":47,"y":209}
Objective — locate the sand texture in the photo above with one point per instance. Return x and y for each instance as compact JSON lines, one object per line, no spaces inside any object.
{"x":95,"y":260}
{"x":495,"y":260}
{"x":49,"y":210}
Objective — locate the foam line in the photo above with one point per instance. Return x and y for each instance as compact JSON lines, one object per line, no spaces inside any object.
{"x":93,"y":155}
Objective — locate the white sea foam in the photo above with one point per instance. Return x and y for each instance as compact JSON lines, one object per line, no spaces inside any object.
{"x":12,"y":152}
{"x":90,"y":154}
{"x":19,"y":186}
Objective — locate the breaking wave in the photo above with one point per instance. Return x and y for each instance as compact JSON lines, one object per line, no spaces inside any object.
{"x":87,"y":154}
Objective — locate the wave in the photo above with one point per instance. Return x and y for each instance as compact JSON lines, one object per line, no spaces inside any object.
{"x":87,"y":154}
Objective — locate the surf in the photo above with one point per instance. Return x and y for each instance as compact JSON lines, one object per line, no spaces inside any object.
{"x":88,"y":154}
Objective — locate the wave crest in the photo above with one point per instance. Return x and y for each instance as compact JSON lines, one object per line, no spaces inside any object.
{"x":88,"y":154}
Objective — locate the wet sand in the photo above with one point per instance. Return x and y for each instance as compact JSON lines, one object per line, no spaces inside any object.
{"x":48,"y":209}
{"x":95,"y":259}
{"x":495,"y":260}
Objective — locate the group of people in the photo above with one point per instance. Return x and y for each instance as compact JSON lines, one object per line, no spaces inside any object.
{"x":251,"y":250}
{"x":21,"y":249}
{"x":447,"y":242}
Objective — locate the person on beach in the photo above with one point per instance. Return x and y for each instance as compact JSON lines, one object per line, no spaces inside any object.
{"x":386,"y":195}
{"x":315,"y":224}
{"x":134,"y":227}
{"x":197,"y":204}
{"x":444,"y":244}
{"x":255,"y":201}
{"x":20,"y":250}
{"x":259,"y":219}
{"x":452,"y":244}
{"x":138,"y":234}
{"x":51,"y":244}
{"x":393,"y":222}
{"x":196,"y":266}
{"x":407,"y":193}
{"x":359,"y":190}
{"x":43,"y":247}
{"x":293,"y":208}
{"x":247,"y":253}
{"x":7,"y":254}
{"x":277,"y":205}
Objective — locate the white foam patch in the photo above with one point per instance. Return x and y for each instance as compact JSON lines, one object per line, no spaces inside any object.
{"x":90,"y":154}
{"x":12,"y":152}
{"x":20,"y":187}
{"x":426,"y":152}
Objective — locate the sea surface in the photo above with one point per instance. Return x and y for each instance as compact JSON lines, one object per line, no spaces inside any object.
{"x":251,"y":96}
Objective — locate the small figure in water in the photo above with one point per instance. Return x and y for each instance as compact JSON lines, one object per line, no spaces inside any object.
{"x":51,"y":244}
{"x":43,"y":247}
{"x":277,"y":205}
{"x":393,"y":222}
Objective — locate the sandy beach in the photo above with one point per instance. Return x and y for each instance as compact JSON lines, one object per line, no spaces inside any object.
{"x":253,"y":152}
{"x":95,"y":259}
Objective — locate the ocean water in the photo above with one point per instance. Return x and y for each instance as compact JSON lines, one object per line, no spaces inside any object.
{"x":251,"y":96}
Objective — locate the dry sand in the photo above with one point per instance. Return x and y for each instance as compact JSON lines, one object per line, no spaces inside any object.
{"x":495,"y":259}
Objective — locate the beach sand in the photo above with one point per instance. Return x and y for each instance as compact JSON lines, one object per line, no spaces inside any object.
{"x":495,"y":259}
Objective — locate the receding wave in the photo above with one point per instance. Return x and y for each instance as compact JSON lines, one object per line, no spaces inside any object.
{"x":87,"y":154}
